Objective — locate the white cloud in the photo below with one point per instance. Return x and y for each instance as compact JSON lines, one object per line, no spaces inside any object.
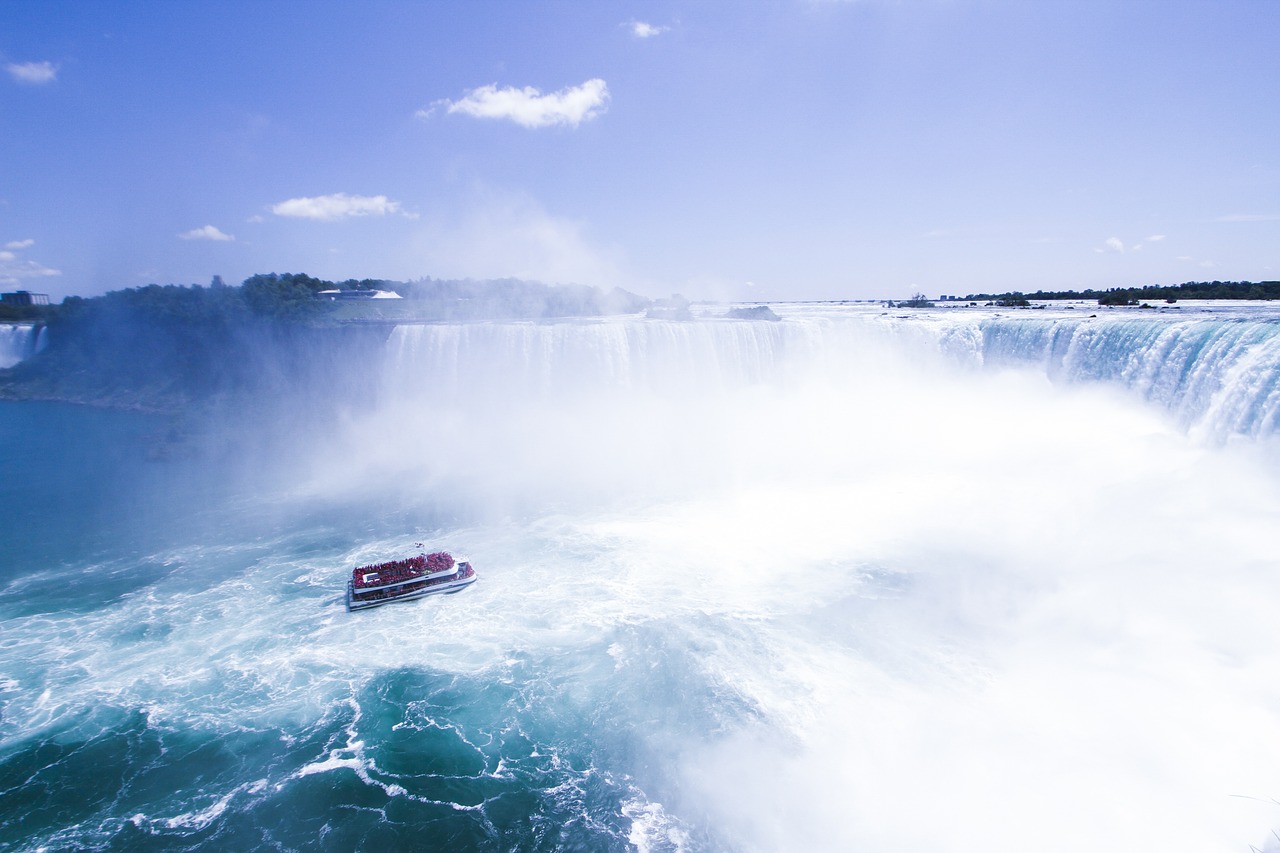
{"x":1248,"y":217}
{"x":13,"y":269}
{"x":642,"y":30}
{"x":12,"y":272}
{"x":1111,"y":244}
{"x":528,"y":107}
{"x":33,"y":72}
{"x":1155,"y":238}
{"x":327,"y":208}
{"x":1190,"y":259}
{"x":208,"y":232}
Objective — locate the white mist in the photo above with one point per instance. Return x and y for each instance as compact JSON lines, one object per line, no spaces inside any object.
{"x":974,"y":610}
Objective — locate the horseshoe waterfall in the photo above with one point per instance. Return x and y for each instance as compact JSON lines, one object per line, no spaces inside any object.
{"x":952,"y":579}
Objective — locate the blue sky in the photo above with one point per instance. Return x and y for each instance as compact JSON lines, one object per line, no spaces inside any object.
{"x":806,"y":149}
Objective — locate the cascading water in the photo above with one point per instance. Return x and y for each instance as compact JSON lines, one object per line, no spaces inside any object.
{"x":855,"y":580}
{"x":1217,"y":370}
{"x":19,"y":341}
{"x":1219,"y":376}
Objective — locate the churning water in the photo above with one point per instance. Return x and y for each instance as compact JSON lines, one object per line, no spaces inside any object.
{"x":852,"y":581}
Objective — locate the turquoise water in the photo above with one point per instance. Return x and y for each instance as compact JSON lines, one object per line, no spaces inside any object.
{"x":124,"y":571}
{"x":852,"y":581}
{"x":81,"y":481}
{"x":179,"y":672}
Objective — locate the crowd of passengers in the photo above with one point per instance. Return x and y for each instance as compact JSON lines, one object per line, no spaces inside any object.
{"x":376,"y":594}
{"x":399,"y":570}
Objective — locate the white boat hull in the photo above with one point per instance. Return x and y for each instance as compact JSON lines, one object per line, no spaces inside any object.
{"x":354,"y":603}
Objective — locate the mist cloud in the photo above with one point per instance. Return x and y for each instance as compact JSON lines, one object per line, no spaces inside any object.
{"x":511,"y":234}
{"x":1009,"y":610}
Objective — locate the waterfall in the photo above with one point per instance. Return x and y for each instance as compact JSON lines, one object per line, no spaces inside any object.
{"x":19,"y":341}
{"x":524,"y":360}
{"x":1217,"y":375}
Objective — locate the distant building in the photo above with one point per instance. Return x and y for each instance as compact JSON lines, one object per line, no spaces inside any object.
{"x":24,"y":297}
{"x":358,"y":294}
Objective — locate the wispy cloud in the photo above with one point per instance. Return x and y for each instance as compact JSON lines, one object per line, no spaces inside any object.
{"x":643,"y":30}
{"x":1248,"y":217}
{"x":35,"y":73}
{"x":328,"y":208}
{"x":528,"y":107}
{"x":14,"y":268}
{"x":1116,"y":246}
{"x":208,"y":232}
{"x":1189,"y":259}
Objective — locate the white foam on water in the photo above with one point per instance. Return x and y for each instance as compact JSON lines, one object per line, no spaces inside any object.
{"x":652,"y":829}
{"x":200,"y":819}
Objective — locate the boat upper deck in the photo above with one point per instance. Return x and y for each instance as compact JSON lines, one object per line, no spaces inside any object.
{"x":399,"y":572}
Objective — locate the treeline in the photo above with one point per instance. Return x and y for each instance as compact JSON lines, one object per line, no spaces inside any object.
{"x":164,"y":347}
{"x":1168,"y":293}
{"x":293,"y":296}
{"x":161,"y":347}
{"x":21,"y":313}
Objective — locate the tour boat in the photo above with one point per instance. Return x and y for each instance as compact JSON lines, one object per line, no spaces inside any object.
{"x":400,"y":580}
